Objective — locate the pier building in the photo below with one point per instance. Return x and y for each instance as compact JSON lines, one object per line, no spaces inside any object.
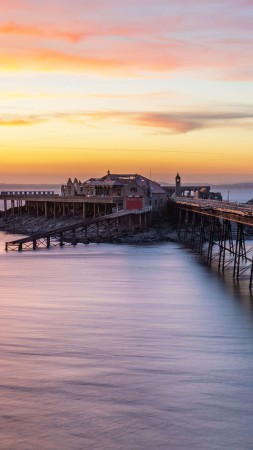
{"x":133,"y":191}
{"x":92,"y":198}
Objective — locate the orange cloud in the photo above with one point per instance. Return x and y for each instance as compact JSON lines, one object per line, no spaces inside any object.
{"x":13,"y":28}
{"x":50,"y":60}
{"x":20,"y":121}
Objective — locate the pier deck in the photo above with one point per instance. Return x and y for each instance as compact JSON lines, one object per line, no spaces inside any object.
{"x":241,"y":213}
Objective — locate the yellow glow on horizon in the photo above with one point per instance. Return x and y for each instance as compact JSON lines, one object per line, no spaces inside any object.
{"x":43,"y":139}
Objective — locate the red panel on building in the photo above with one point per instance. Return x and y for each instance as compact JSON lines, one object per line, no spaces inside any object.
{"x":134,"y":203}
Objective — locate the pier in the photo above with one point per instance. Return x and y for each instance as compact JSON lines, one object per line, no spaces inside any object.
{"x":53,"y":205}
{"x":117,"y":204}
{"x":83,"y":231}
{"x":218,"y":232}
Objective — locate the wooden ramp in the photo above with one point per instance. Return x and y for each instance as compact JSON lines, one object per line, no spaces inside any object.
{"x":86,"y":228}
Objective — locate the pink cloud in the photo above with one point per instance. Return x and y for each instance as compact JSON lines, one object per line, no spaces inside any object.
{"x":144,"y":35}
{"x":130,"y":58}
{"x":166,"y":122}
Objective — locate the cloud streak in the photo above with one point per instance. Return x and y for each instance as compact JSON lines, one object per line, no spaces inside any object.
{"x":15,"y":121}
{"x":178,"y":123}
{"x":170,"y":122}
{"x":146,"y":36}
{"x":130,"y":59}
{"x":49,"y":60}
{"x":13,"y":28}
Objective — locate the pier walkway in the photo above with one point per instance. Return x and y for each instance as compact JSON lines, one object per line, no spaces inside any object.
{"x":238,"y":212}
{"x":127,"y":220}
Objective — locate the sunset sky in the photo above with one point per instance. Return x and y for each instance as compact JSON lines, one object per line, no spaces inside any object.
{"x":141,"y":86}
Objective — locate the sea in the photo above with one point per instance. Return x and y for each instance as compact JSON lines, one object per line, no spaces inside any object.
{"x":123,"y":347}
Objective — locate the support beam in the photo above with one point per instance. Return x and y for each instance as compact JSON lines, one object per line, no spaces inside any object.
{"x":201,"y":234}
{"x":45,"y":209}
{"x":211,"y":240}
{"x":179,"y":225}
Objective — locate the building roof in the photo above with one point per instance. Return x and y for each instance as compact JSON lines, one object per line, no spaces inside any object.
{"x":114,"y":179}
{"x":146,"y":183}
{"x":143,"y":182}
{"x":122,"y":178}
{"x":156,"y":188}
{"x":102,"y":183}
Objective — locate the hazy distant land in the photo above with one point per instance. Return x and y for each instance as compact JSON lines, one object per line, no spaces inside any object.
{"x":5,"y":186}
{"x":247,"y":185}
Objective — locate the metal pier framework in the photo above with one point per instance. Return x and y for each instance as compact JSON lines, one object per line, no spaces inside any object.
{"x":84,"y":231}
{"x":221,"y":233}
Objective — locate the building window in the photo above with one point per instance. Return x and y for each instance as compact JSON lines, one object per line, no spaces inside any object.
{"x":133,"y":189}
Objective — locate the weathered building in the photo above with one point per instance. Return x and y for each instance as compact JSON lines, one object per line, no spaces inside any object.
{"x":134,"y":191}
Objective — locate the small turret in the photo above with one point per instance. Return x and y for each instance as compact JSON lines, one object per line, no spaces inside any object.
{"x":178,"y":185}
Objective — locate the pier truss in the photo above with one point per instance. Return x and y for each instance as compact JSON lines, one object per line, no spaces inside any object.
{"x":93,"y":229}
{"x":221,"y":233}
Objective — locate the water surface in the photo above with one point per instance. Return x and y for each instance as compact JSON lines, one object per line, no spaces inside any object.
{"x":122,"y":347}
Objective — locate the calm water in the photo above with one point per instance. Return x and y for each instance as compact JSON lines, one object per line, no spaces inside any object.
{"x":107,"y":347}
{"x":236,"y":195}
